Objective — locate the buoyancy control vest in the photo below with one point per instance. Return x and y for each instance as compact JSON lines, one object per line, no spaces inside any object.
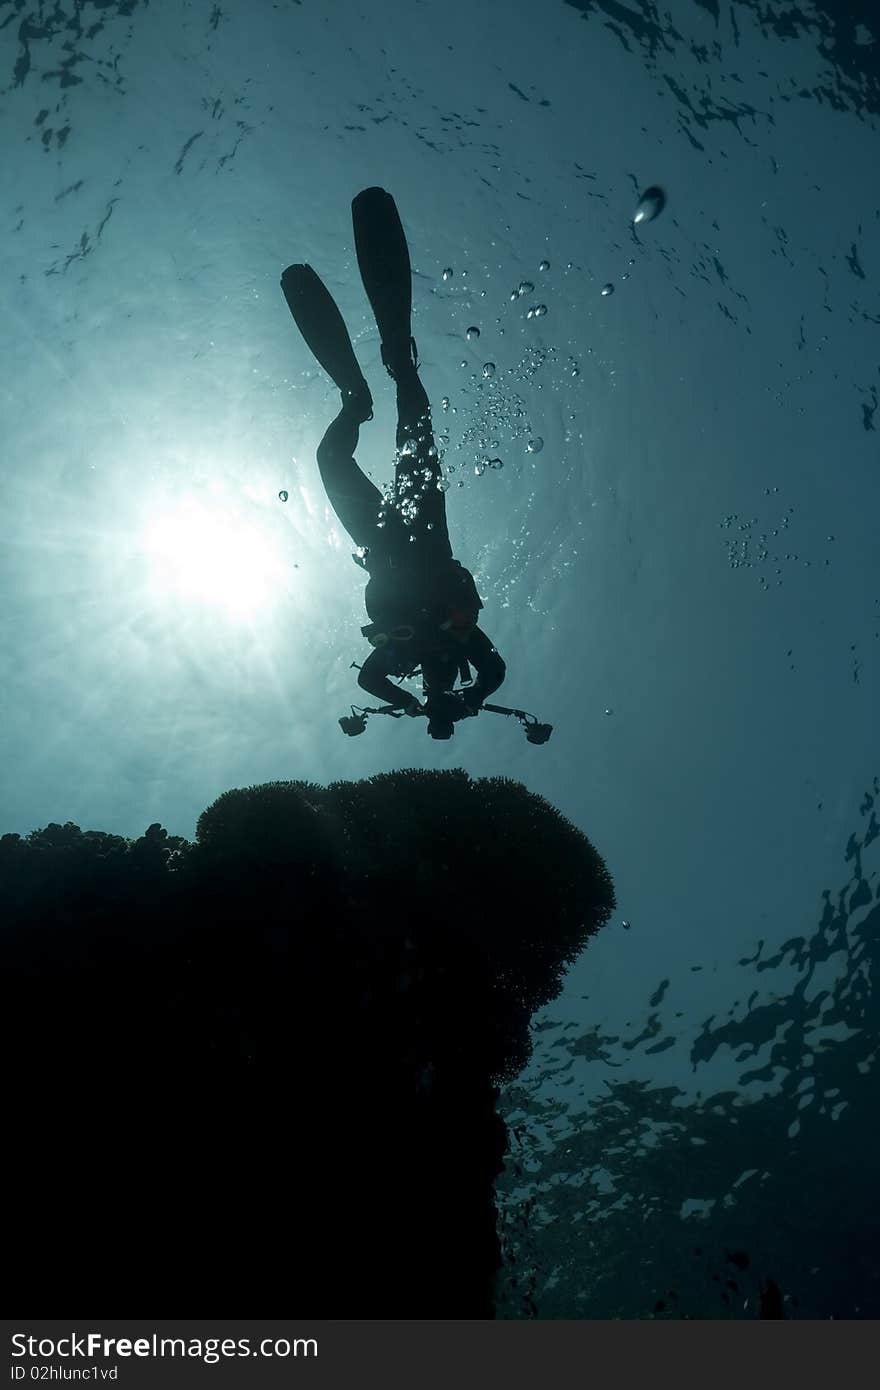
{"x":422,"y":610}
{"x":431,"y":600}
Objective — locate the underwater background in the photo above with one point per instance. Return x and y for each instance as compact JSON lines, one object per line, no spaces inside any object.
{"x":661,"y":449}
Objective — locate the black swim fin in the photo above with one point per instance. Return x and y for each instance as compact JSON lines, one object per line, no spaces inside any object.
{"x":318,"y":319}
{"x":383,"y":258}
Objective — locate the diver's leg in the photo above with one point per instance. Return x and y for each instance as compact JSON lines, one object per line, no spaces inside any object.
{"x":384,"y":262}
{"x":414,"y":415}
{"x":417,"y":472}
{"x":355,"y":500}
{"x":351,"y":495}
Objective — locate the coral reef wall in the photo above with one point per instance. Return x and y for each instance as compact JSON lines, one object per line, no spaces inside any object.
{"x":259,"y":1072}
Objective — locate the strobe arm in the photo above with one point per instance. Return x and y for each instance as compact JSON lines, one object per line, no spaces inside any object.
{"x":535,"y":732}
{"x":356,"y":722}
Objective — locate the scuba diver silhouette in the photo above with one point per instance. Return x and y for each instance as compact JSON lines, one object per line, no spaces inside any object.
{"x":423,"y":605}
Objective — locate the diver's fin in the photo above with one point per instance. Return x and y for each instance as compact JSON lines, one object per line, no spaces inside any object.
{"x":319,"y":321}
{"x":383,"y":258}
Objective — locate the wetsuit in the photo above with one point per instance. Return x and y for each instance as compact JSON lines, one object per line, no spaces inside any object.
{"x":414,"y":580}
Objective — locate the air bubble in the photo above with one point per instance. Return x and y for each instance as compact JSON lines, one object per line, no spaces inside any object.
{"x":488,"y":369}
{"x":545,"y":265}
{"x":472,"y":333}
{"x":525,"y":287}
{"x":607,"y":289}
{"x":535,"y":445}
{"x":651,"y":204}
{"x":282,"y":496}
{"x":448,"y":273}
{"x":445,"y":403}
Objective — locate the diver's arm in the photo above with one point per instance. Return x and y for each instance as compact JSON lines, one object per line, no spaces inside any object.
{"x":489,"y":665}
{"x":373,"y":678}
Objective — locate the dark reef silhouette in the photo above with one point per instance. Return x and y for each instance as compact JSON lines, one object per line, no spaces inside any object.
{"x":259,"y":1073}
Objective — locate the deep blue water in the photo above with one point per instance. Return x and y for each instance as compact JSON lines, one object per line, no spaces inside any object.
{"x":682,"y":576}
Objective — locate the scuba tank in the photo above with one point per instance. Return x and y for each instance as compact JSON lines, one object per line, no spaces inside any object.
{"x":443,"y":593}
